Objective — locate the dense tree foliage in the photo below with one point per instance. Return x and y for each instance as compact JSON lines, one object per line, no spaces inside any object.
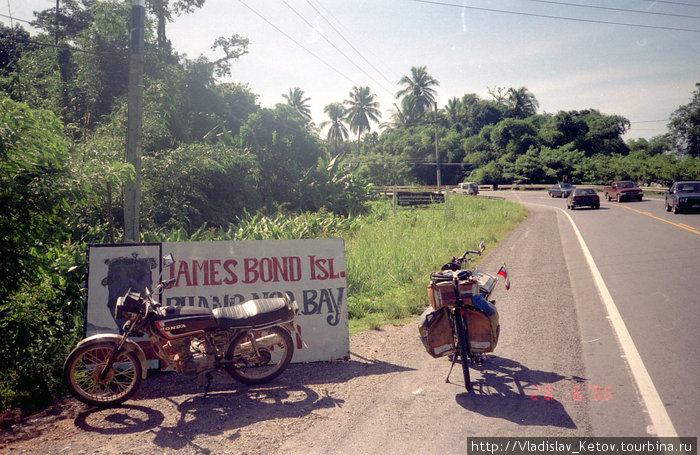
{"x":504,"y":140}
{"x":685,"y":126}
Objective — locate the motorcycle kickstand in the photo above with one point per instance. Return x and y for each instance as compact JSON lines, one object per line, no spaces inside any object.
{"x":454,"y":359}
{"x":209,"y":378}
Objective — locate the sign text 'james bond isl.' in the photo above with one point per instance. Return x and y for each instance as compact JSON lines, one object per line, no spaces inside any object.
{"x":221,"y":274}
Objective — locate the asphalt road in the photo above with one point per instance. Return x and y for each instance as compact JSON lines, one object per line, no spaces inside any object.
{"x":560,"y":368}
{"x":649,"y":260}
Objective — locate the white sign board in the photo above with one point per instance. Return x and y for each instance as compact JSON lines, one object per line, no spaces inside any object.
{"x":220,"y":274}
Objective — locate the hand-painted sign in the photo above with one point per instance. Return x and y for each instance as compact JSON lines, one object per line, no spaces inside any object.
{"x":220,"y":274}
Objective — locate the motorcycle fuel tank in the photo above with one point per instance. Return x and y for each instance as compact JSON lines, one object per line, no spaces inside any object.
{"x":181,"y":322}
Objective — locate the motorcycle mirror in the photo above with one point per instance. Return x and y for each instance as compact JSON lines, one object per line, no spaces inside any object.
{"x":482,"y":246}
{"x":168,"y":260}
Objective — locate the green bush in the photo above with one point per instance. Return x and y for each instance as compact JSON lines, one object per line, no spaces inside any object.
{"x":40,"y":324}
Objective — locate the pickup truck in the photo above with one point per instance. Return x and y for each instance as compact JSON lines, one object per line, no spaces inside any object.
{"x":623,"y":190}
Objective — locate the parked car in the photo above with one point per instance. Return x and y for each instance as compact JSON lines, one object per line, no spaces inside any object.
{"x":683,"y":196}
{"x":561,"y":190}
{"x":583,"y":197}
{"x":623,"y":190}
{"x":470,"y":188}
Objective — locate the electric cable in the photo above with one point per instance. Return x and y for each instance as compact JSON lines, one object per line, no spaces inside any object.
{"x":608,"y":8}
{"x":335,"y":47}
{"x":299,"y":44}
{"x":547,"y":16}
{"x":350,"y":44}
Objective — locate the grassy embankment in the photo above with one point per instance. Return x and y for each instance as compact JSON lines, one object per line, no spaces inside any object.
{"x":388,"y":261}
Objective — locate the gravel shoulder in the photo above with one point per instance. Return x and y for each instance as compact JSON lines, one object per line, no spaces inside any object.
{"x":170,"y":414}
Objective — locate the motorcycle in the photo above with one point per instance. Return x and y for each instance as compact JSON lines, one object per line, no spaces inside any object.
{"x":462,"y":321}
{"x":251,"y":341}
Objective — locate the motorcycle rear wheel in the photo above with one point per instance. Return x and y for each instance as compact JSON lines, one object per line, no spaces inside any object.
{"x":275,"y":351}
{"x":82,"y":370}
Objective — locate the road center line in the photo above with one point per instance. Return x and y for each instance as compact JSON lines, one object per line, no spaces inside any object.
{"x":680,"y":225}
{"x":657,"y":411}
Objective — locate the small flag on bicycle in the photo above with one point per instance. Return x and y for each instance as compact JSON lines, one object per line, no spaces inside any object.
{"x":504,"y":273}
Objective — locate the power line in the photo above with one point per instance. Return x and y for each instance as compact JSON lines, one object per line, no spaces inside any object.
{"x":349,"y":43}
{"x":334,"y":46}
{"x":299,"y":44}
{"x":59,"y":46}
{"x":672,"y":3}
{"x":607,"y":8}
{"x":365,"y":46}
{"x":12,"y":18}
{"x":491,"y":10}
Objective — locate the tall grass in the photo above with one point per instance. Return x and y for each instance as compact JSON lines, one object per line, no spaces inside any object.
{"x":388,"y":260}
{"x":306,"y":225}
{"x":388,"y":257}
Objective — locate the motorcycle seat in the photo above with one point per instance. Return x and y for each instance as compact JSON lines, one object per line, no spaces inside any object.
{"x":254,"y":313}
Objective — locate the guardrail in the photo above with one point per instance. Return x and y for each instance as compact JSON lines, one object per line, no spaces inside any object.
{"x":388,"y":191}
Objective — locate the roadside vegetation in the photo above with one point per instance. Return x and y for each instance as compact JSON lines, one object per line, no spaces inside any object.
{"x":219,"y":166}
{"x":388,"y":260}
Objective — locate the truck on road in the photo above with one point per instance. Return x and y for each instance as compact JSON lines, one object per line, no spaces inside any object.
{"x":623,"y":190}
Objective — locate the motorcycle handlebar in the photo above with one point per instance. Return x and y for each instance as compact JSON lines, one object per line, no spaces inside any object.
{"x":468,"y":252}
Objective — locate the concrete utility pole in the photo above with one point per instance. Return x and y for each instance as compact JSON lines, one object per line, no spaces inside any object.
{"x":437,"y":156}
{"x":132,"y":189}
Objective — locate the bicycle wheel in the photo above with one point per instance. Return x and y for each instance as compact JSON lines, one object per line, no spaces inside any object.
{"x":83,"y":368}
{"x":462,"y":334}
{"x":274,"y":352}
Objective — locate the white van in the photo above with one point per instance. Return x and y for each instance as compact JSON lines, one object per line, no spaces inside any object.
{"x":468,"y":188}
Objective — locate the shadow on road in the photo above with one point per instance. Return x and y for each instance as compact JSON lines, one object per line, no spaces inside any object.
{"x":342,"y":371}
{"x":215,"y":415}
{"x":229,"y":405}
{"x":125,"y":419}
{"x":511,"y":391}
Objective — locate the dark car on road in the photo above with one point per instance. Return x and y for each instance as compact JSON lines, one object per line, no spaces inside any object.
{"x":583,"y":197}
{"x":560,"y":190}
{"x":683,"y":197}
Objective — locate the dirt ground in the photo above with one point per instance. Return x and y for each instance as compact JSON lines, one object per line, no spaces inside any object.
{"x":170,"y":415}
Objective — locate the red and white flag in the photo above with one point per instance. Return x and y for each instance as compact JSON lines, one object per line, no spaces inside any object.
{"x":504,"y":273}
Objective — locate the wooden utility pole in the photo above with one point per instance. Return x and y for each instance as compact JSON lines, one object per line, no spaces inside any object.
{"x":132,"y":189}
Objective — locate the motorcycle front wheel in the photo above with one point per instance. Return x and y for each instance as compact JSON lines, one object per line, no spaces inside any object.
{"x":260,"y":356}
{"x":84,"y":366}
{"x":460,"y":322}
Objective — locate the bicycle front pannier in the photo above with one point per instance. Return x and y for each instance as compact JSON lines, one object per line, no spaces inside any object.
{"x":435,"y":332}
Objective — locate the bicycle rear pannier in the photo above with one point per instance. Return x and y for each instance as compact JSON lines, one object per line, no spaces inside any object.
{"x":483,"y":325}
{"x":436,"y":333}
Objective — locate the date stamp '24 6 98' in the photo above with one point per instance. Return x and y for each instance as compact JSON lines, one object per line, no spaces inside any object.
{"x":580,"y":392}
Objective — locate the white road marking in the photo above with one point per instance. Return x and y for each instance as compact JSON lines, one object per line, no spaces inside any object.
{"x":660,"y":420}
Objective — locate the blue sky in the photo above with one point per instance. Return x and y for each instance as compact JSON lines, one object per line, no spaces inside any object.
{"x":570,"y":57}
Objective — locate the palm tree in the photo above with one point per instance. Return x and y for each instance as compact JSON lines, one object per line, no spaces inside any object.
{"x":521,"y":103}
{"x":454,"y":109}
{"x":418,"y":92}
{"x":337,"y":131}
{"x":397,"y":119}
{"x":361,"y":108}
{"x":295,"y":98}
